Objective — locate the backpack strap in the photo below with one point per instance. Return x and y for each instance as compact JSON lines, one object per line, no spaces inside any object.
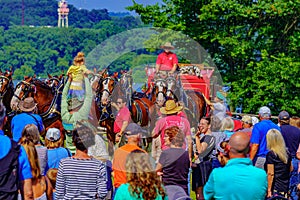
{"x":69,"y":154}
{"x":35,"y":119}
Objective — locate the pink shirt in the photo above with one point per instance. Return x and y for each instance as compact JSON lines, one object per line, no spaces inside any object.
{"x":166,"y":61}
{"x":168,"y":121}
{"x":123,"y":115}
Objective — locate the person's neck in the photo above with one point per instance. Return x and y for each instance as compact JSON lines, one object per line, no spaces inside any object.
{"x":133,"y":142}
{"x":174,"y":146}
{"x":232,"y":155}
{"x":208,"y":132}
{"x":81,"y":154}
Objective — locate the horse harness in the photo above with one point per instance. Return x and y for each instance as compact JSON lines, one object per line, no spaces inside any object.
{"x":10,"y":84}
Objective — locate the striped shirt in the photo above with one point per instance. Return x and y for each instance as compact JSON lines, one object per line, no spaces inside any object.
{"x":81,"y":179}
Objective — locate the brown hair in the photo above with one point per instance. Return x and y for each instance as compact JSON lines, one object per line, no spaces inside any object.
{"x":295,"y":121}
{"x":52,"y":174}
{"x":176,"y":136}
{"x":32,"y":156}
{"x":142,"y":177}
{"x":31,"y":132}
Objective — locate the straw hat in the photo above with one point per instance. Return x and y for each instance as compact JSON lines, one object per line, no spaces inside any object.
{"x":167,"y":45}
{"x":170,"y":108}
{"x":27,"y":105}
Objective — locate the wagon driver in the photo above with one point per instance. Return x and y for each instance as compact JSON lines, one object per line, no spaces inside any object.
{"x":166,"y":61}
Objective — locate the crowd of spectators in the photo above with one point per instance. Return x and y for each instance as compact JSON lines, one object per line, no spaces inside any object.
{"x":219,"y":162}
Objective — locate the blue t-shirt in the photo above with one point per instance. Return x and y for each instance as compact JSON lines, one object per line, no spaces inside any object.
{"x":238,"y":179}
{"x":291,"y":135}
{"x":24,"y":165}
{"x":55,"y":155}
{"x":258,"y":136}
{"x":19,"y":121}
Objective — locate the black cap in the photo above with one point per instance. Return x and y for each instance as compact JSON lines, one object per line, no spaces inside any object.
{"x":134,"y":129}
{"x":283,"y":115}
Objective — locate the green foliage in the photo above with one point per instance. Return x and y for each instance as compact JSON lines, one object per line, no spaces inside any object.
{"x":44,"y":13}
{"x":23,"y":71}
{"x":254,"y":44}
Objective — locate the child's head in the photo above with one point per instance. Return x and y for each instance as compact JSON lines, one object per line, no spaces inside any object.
{"x":79,"y":59}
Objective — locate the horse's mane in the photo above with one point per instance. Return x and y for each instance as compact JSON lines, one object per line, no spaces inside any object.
{"x":40,"y":83}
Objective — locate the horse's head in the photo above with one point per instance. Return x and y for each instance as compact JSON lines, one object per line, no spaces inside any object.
{"x":126,"y":80}
{"x":171,"y":86}
{"x":106,"y":88}
{"x":23,"y":89}
{"x":160,"y":89}
{"x":5,"y":82}
{"x":54,"y":81}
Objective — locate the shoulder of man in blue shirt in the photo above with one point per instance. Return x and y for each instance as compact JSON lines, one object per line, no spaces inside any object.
{"x":5,"y":145}
{"x":24,"y":165}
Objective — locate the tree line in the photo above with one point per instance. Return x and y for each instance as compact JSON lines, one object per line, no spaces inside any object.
{"x":254,"y":44}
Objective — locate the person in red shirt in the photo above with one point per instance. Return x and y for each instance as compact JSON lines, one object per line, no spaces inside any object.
{"x":172,"y":119}
{"x":167,"y":61}
{"x":123,"y":117}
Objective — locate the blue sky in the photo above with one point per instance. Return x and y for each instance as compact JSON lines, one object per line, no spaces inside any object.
{"x":111,"y":5}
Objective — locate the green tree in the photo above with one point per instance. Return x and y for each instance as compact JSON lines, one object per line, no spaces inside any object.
{"x":236,"y":33}
{"x":23,"y":71}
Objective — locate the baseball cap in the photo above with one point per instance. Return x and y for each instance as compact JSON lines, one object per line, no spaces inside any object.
{"x":264,"y":111}
{"x":53,"y":134}
{"x":283,"y":115}
{"x":247,"y":119}
{"x":134,"y":129}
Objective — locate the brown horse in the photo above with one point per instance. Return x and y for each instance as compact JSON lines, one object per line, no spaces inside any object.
{"x":142,"y":109}
{"x":103,"y":85}
{"x":193,"y":101}
{"x":46,"y":99}
{"x":55,"y":81}
{"x":6,"y":93}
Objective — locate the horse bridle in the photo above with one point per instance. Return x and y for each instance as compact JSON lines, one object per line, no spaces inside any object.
{"x":6,"y":88}
{"x":104,"y":89}
{"x":161,"y":84}
{"x":169,"y":89}
{"x":28,"y":88}
{"x":54,"y":79}
{"x":127,"y":87}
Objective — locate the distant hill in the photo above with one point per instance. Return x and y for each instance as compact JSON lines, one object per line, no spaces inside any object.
{"x":44,"y":13}
{"x":119,"y":14}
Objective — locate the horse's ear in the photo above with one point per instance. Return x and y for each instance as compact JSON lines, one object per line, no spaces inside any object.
{"x":34,"y":76}
{"x":95,"y":70}
{"x":102,"y":72}
{"x":115,"y":75}
{"x":49,"y":75}
{"x":130,"y":72}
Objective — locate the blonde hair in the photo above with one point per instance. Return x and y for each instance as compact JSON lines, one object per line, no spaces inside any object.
{"x":31,"y":132}
{"x":227,"y":124}
{"x":295,"y":121}
{"x":142,"y":177}
{"x":54,"y":144}
{"x":52,"y":174}
{"x":275,"y":143}
{"x":79,"y":59}
{"x":32,"y":156}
